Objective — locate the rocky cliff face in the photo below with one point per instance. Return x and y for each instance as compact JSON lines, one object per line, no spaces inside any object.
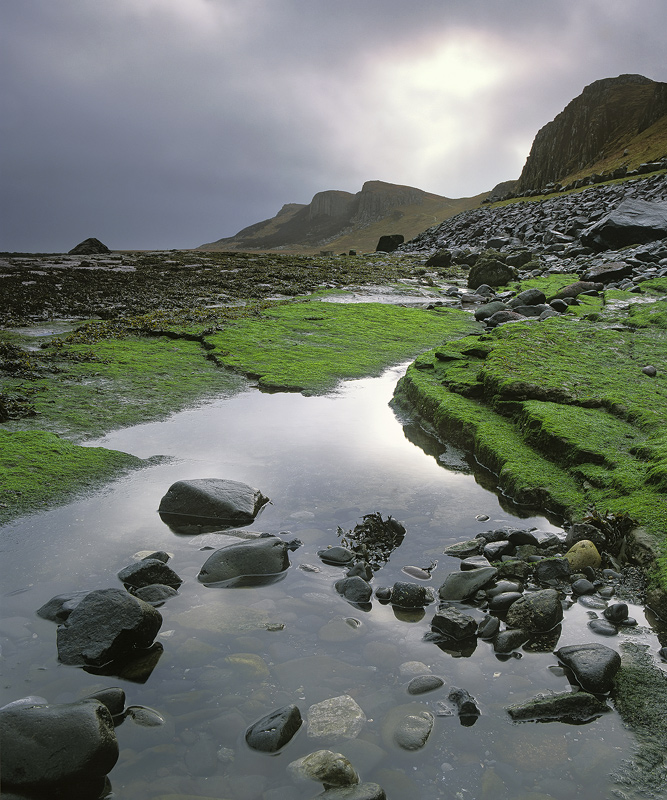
{"x":607,"y":115}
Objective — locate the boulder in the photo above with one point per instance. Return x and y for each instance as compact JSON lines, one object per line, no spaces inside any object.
{"x":156,"y":593}
{"x":389,"y":243}
{"x":570,"y":707}
{"x":633,"y":221}
{"x":583,"y":554}
{"x":47,"y":746}
{"x":105,"y":625}
{"x":421,"y":684}
{"x":212,"y":500}
{"x":573,"y":290}
{"x":582,"y":530}
{"x":263,"y":556}
{"x":594,"y":665}
{"x":338,"y":556}
{"x":273,"y":731}
{"x":552,"y":569}
{"x":89,"y":247}
{"x":410,"y":595}
{"x":537,"y":611}
{"x":608,"y":272}
{"x":501,"y":317}
{"x":149,"y":571}
{"x":492,"y":272}
{"x":413,"y":730}
{"x":58,"y":608}
{"x":489,"y":309}
{"x":464,"y":702}
{"x":440,"y":259}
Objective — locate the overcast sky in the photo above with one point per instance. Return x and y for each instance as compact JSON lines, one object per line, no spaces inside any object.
{"x":169,"y":123}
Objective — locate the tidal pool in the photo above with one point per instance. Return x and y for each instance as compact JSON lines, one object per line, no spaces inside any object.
{"x":231,"y":655}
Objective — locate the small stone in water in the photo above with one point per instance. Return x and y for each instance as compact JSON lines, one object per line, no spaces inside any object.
{"x":482,"y":517}
{"x":603,"y":627}
{"x":309,"y":568}
{"x":275,"y":626}
{"x":146,"y":717}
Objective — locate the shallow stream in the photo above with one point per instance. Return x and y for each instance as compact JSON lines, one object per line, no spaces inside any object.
{"x":324,"y":462}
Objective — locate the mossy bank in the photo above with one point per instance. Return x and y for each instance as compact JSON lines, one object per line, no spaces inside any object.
{"x":111,"y":374}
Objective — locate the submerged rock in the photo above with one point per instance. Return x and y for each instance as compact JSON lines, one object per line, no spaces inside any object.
{"x":273,"y":731}
{"x":571,"y":707}
{"x":264,"y":556}
{"x":336,"y":718}
{"x":537,"y":611}
{"x":47,"y":746}
{"x":324,"y":766}
{"x":594,"y":665}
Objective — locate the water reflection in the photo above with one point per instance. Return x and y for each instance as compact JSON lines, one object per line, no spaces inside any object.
{"x":227,"y":657}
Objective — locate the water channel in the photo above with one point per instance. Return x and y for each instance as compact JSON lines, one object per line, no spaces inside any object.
{"x":232,"y":655}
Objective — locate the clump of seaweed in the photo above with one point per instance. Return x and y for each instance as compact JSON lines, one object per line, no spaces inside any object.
{"x":374,"y":539}
{"x":614,"y":526}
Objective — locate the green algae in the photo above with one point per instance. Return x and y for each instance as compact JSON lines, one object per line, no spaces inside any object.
{"x":560,"y":411}
{"x":38,"y":469}
{"x":310,"y":346}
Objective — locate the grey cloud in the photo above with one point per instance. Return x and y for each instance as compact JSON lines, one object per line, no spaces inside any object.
{"x":132,"y":122}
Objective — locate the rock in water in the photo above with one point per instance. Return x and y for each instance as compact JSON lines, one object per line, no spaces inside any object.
{"x":275,"y":730}
{"x":89,"y":247}
{"x":593,"y":665}
{"x":264,"y":556}
{"x":210,"y":500}
{"x":45,"y":746}
{"x":537,"y":611}
{"x":570,"y":707}
{"x":105,"y":625}
{"x":324,"y":766}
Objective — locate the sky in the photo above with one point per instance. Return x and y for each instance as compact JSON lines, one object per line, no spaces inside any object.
{"x":160,"y":124}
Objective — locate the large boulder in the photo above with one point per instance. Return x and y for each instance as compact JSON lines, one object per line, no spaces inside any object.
{"x":263,"y":556}
{"x":89,"y":247}
{"x":634,"y":221}
{"x":571,"y":707}
{"x":147,"y":572}
{"x":460,"y":585}
{"x":48,"y":747}
{"x":594,"y":666}
{"x":273,"y":731}
{"x":212,"y":500}
{"x":389,"y":243}
{"x":492,"y":272}
{"x":105,"y":625}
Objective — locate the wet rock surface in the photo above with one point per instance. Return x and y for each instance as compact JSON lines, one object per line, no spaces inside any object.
{"x":265,"y":556}
{"x":226,"y":502}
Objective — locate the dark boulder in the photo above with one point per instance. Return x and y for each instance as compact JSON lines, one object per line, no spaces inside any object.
{"x":465,"y":704}
{"x":354,"y":589}
{"x":452,"y":623}
{"x":530,"y":297}
{"x":272,"y":732}
{"x":608,"y":272}
{"x":58,"y":608}
{"x":552,"y":569}
{"x":492,"y":272}
{"x":263,"y":556}
{"x":149,"y":571}
{"x":501,"y":317}
{"x":575,"y":289}
{"x":441,"y":259}
{"x":460,"y":585}
{"x":582,"y":531}
{"x":212,"y":500}
{"x":389,"y":243}
{"x":537,"y":611}
{"x":424,"y":683}
{"x":89,"y":247}
{"x":489,"y":309}
{"x":633,"y":221}
{"x":594,"y":665}
{"x":410,"y":595}
{"x":337,"y":556}
{"x":105,"y":625}
{"x":46,"y":747}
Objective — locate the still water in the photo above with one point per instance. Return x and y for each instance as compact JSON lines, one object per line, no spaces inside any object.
{"x":324,"y":462}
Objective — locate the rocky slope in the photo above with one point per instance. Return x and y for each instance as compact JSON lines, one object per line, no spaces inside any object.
{"x":601,"y":123}
{"x":336,"y":220}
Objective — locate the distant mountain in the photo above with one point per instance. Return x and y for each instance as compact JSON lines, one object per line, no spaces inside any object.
{"x":341,"y":221}
{"x":614,"y":122}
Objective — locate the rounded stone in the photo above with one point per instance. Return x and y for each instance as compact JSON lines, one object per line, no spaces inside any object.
{"x":583,"y":554}
{"x":616,"y":612}
{"x":424,"y":683}
{"x":537,"y":611}
{"x":603,"y":627}
{"x":582,"y":586}
{"x":324,"y":766}
{"x":336,"y":718}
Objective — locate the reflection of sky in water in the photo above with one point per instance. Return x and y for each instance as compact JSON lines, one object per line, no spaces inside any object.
{"x":324,"y":462}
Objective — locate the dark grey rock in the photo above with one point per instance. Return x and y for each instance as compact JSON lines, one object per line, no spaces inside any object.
{"x":582,"y":586}
{"x":650,"y":371}
{"x":504,"y":586}
{"x":569,"y":707}
{"x":338,"y":556}
{"x":488,"y":627}
{"x":460,"y":585}
{"x":489,"y":309}
{"x":89,"y":247}
{"x":44,"y":746}
{"x":273,"y":731}
{"x":389,"y":243}
{"x":113,"y":698}
{"x":441,"y":259}
{"x":494,"y":551}
{"x":608,"y":272}
{"x":412,"y":731}
{"x":475,"y":562}
{"x":264,"y":556}
{"x":502,"y":601}
{"x":354,"y":589}
{"x":156,"y":594}
{"x":603,"y":627}
{"x":633,"y":221}
{"x":58,"y":608}
{"x":424,"y":683}
{"x":509,"y":640}
{"x":410,"y":595}
{"x":616,"y":612}
{"x":472,"y":547}
{"x":581,"y":531}
{"x":552,"y":569}
{"x":454,"y":624}
{"x":492,"y":272}
{"x":537,"y":611}
{"x":105,"y":625}
{"x":465,"y":703}
{"x":213,"y":499}
{"x":149,"y":571}
{"x":501,"y":317}
{"x":594,"y":665}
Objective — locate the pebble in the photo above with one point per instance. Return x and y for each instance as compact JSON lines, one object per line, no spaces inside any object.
{"x":603,"y":627}
{"x":424,"y":683}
